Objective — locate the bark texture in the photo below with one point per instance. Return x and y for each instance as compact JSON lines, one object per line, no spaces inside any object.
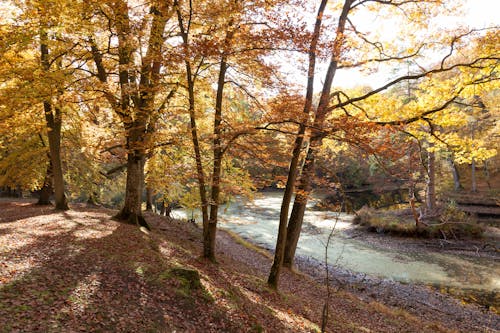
{"x":298,"y":210}
{"x":131,"y":211}
{"x":456,"y":175}
{"x":315,"y":141}
{"x":430,"y":199}
{"x":47,"y":188}
{"x":149,"y":199}
{"x":473,"y":176}
{"x":218,"y":152}
{"x":53,"y":120}
{"x":200,"y":174}
{"x":279,"y":252}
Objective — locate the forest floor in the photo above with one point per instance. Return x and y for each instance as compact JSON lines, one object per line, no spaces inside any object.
{"x":81,"y":271}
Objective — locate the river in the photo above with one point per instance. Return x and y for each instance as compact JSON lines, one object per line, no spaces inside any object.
{"x":257,"y":221}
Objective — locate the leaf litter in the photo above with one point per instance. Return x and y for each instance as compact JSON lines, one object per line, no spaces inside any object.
{"x":81,"y":271}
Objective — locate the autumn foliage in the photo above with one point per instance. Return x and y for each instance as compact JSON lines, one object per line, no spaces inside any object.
{"x":194,"y":102}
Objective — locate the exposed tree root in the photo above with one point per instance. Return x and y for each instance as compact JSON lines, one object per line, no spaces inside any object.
{"x":132,"y":218}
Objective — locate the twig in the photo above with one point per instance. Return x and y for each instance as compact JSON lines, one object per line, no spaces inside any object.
{"x":324,"y":317}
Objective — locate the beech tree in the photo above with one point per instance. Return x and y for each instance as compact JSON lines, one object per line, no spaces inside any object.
{"x":450,"y":129}
{"x":224,"y":46}
{"x":284,"y":237}
{"x":53,"y":118}
{"x":132,"y":94}
{"x":350,"y":41}
{"x":49,"y":78}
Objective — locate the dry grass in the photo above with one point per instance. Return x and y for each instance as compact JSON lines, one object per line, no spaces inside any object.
{"x":450,"y":223}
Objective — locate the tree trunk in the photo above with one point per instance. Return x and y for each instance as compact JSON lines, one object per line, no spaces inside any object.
{"x":149,"y":199}
{"x":131,"y":211}
{"x":315,"y":141}
{"x":209,"y":240}
{"x":53,"y":119}
{"x":456,"y":176}
{"x":209,"y":246}
{"x":431,"y":181}
{"x":168,"y":209}
{"x":162,"y":208}
{"x":200,"y":174}
{"x":279,"y":252}
{"x":273,"y":278}
{"x":199,"y":166}
{"x":54,"y":127}
{"x":298,"y":210}
{"x":487,"y":173}
{"x":418,"y":224}
{"x":473,"y":176}
{"x":47,"y":188}
{"x":136,"y":157}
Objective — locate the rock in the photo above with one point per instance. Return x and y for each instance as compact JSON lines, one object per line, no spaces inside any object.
{"x":189,"y":277}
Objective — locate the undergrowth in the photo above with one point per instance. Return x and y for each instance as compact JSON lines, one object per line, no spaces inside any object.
{"x":448,"y":222}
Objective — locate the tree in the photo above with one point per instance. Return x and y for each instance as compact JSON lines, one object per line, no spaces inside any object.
{"x":451,"y":131}
{"x":134,"y":95}
{"x":348,"y":109}
{"x":190,"y":82}
{"x":53,"y":118}
{"x":48,"y":78}
{"x":226,"y":44}
{"x":287,"y":237}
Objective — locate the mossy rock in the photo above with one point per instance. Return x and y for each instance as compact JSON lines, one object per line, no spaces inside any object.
{"x":190,"y":278}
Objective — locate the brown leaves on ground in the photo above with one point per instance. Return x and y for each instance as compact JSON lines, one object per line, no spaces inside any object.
{"x":80,"y":271}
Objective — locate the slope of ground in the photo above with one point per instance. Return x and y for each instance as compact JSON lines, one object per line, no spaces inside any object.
{"x":80,"y":271}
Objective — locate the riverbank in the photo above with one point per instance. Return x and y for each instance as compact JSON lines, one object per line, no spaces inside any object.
{"x":467,"y":269}
{"x":469,"y":250}
{"x":419,"y":300}
{"x":452,"y":307}
{"x":423,"y":302}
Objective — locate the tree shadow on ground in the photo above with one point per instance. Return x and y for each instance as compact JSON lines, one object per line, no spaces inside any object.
{"x":80,"y":273}
{"x":11,"y":211}
{"x":242,"y":289}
